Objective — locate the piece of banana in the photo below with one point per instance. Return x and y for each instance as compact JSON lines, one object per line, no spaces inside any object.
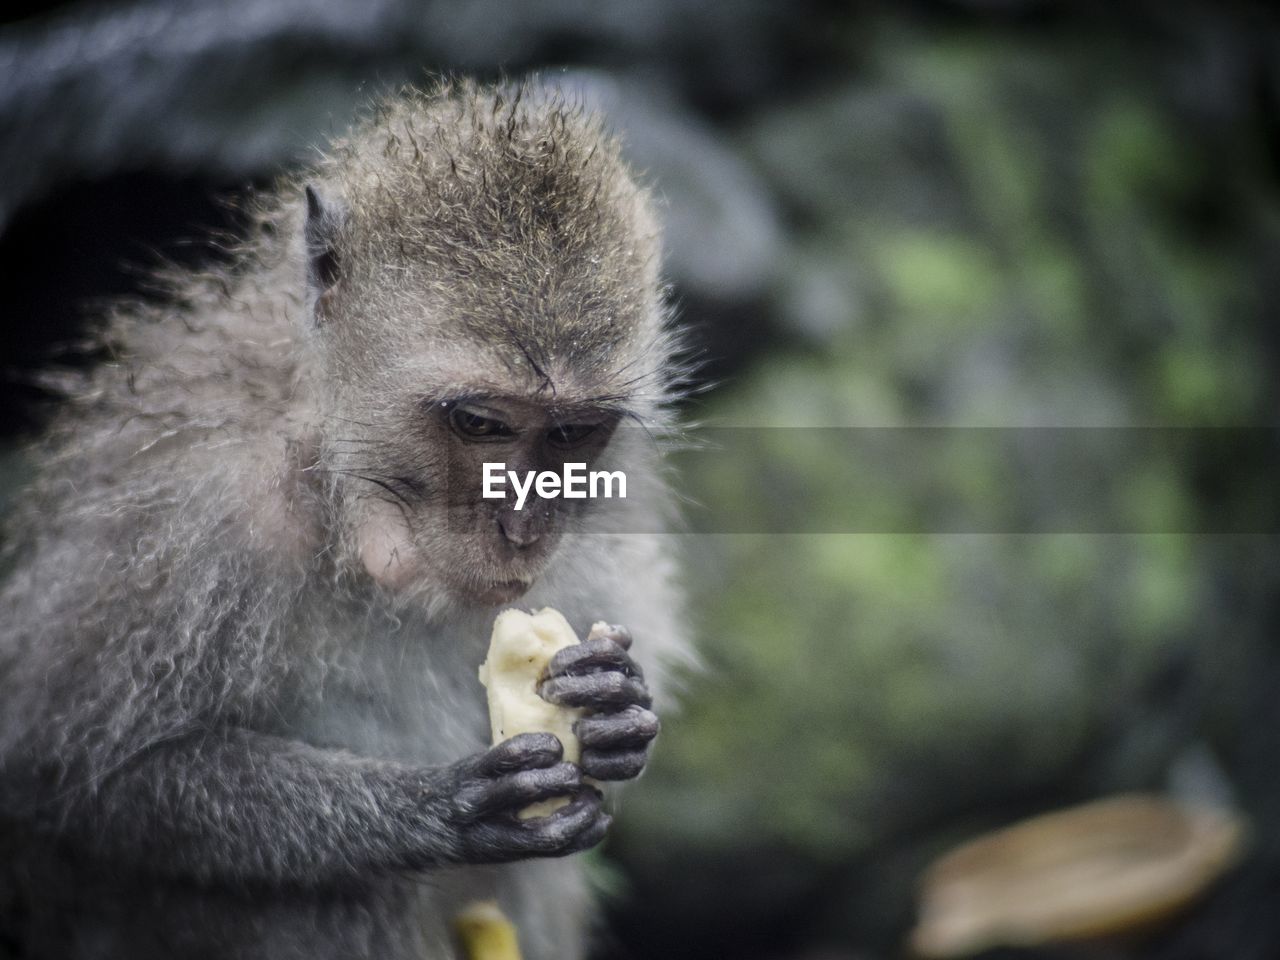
{"x":521,"y":646}
{"x":486,"y":933}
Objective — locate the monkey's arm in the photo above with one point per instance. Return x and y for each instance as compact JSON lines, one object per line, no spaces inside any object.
{"x":244,"y":808}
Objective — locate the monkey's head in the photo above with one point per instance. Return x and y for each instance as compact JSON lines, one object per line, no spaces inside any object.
{"x":482,"y":287}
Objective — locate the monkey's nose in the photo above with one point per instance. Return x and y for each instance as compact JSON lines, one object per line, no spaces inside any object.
{"x":520,"y":529}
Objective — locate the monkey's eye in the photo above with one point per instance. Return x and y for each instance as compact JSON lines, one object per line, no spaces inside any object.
{"x":476,"y":426}
{"x":567,"y":435}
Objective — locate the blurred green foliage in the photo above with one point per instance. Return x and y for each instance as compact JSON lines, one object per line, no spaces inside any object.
{"x":986,"y":232}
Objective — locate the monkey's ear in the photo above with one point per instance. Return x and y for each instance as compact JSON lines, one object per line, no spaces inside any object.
{"x":324,"y":223}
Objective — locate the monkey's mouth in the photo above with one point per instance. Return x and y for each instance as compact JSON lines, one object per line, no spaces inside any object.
{"x":499,"y":592}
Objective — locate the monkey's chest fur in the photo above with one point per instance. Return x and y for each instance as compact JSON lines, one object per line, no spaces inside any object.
{"x":396,"y":689}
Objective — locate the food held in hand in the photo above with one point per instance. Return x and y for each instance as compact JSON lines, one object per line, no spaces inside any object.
{"x":520,"y":648}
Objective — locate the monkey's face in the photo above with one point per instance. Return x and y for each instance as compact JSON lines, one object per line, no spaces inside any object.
{"x":471,"y":518}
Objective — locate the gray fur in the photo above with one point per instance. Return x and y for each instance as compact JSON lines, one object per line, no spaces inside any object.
{"x":220,"y":733}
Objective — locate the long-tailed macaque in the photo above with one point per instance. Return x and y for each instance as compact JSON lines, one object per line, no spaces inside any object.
{"x":250,"y":589}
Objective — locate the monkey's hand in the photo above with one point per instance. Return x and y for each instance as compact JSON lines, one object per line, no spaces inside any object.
{"x":490,"y":789}
{"x":600,"y":675}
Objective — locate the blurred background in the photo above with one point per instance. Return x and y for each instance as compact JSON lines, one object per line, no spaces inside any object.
{"x":1013,"y":215}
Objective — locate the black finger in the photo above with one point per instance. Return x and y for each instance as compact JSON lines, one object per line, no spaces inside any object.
{"x":580,"y":824}
{"x":521,"y":752}
{"x":592,"y":834}
{"x":614,"y":764}
{"x":592,"y":656}
{"x":633,"y":726}
{"x":601,"y":691}
{"x":612,"y":631}
{"x":517,"y":790}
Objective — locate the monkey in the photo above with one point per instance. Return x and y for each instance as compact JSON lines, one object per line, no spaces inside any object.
{"x":249,"y":590}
